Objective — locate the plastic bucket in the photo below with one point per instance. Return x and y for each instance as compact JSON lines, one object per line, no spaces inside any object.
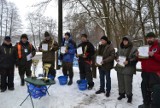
{"x":37,"y":91}
{"x":62,"y":80}
{"x":82,"y":85}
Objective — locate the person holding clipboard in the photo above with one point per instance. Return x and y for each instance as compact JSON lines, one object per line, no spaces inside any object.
{"x":104,"y":61}
{"x":48,"y":47}
{"x":126,"y":66}
{"x":150,"y":84}
{"x":24,"y":49}
{"x":85,"y":60}
{"x":68,"y":50}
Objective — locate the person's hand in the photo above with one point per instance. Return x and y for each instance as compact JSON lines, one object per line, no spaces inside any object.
{"x":102,"y":62}
{"x":66,"y":51}
{"x":77,"y":55}
{"x":117,"y":60}
{"x":137,"y":53}
{"x":96,"y":65}
{"x":84,"y":56}
{"x":126,"y":62}
{"x":40,"y":49}
{"x":150,"y":53}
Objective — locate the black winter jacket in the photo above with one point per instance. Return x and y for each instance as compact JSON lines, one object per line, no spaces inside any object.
{"x":7,"y":56}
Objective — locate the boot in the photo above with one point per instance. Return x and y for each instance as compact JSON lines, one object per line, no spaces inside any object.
{"x":11,"y":88}
{"x":90,"y":86}
{"x":100,"y":91}
{"x":70,"y":82}
{"x":107,"y":94}
{"x":121,"y":96}
{"x":129,"y":98}
{"x":22,"y":82}
{"x":3,"y":90}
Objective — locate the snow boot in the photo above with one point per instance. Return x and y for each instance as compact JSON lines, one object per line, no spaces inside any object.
{"x":70,"y":82}
{"x":121,"y":96}
{"x":107,"y":94}
{"x":100,"y":91}
{"x":129,"y":98}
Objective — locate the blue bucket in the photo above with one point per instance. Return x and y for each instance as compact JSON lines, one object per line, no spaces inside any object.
{"x":62,"y":80}
{"x":37,"y":91}
{"x":82,"y":85}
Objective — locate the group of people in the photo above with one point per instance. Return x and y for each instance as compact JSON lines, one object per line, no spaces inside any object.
{"x":150,"y":86}
{"x":11,"y":56}
{"x":150,"y":66}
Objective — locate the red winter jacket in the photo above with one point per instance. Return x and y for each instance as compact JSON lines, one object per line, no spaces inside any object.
{"x":152,"y":64}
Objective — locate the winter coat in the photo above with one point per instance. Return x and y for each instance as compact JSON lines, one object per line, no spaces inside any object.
{"x":152,"y":64}
{"x":108,"y":53}
{"x":71,"y":47}
{"x":26,"y":49}
{"x":7,"y":56}
{"x":90,"y":51}
{"x":49,"y":56}
{"x":130,"y":68}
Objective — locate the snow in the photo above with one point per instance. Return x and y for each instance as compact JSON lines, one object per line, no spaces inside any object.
{"x":70,"y":96}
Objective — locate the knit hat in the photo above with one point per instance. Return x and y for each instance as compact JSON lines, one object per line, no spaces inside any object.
{"x":46,"y":34}
{"x":24,"y":36}
{"x":104,"y":38}
{"x":7,"y":38}
{"x":68,"y":34}
{"x":150,"y":34}
{"x":84,"y":35}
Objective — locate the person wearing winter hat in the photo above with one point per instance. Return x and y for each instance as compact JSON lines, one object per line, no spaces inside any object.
{"x":150,"y":85}
{"x":126,"y":70}
{"x":85,"y":61}
{"x":48,"y":54}
{"x":107,"y":52}
{"x":68,"y":57}
{"x":7,"y":62}
{"x":23,"y":49}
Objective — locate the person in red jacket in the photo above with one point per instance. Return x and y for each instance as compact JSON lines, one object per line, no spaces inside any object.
{"x":150,"y":71}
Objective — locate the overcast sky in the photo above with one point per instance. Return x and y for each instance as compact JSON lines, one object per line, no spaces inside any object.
{"x":25,"y":6}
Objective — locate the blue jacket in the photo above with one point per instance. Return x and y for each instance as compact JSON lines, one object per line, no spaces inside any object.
{"x":69,"y":56}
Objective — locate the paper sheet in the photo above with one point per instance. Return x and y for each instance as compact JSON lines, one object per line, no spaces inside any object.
{"x":79,"y":51}
{"x":63,"y":49}
{"x":45,"y":47}
{"x":121,"y":60}
{"x":29,"y":57}
{"x":99,"y":60}
{"x":143,"y":51}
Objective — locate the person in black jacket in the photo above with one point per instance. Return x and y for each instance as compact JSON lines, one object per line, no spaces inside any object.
{"x":7,"y":62}
{"x":24,"y":53}
{"x":85,"y":61}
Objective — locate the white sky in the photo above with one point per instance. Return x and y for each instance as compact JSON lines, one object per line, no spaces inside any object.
{"x":24,"y":7}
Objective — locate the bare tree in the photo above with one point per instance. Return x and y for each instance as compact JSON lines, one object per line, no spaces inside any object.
{"x":38,"y":24}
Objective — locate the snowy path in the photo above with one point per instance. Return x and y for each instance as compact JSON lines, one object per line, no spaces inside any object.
{"x":70,"y":96}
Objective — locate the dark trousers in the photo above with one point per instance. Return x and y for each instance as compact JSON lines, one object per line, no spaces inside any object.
{"x":52,"y":70}
{"x":25,"y":69}
{"x":125,"y":83}
{"x":67,"y":69}
{"x":105,"y":75}
{"x":148,"y":82}
{"x":7,"y":78}
{"x":85,"y":72}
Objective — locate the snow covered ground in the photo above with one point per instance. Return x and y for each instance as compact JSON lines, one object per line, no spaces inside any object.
{"x":70,"y":96}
